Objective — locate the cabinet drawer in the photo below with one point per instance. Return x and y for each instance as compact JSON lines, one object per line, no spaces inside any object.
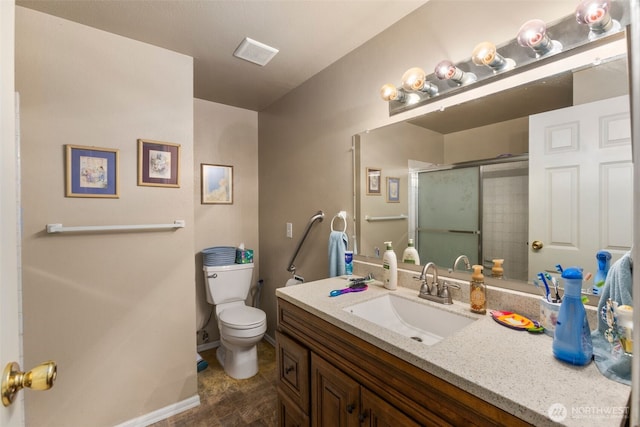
{"x":293,"y":371}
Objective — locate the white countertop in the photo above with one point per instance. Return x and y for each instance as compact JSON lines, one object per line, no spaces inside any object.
{"x":513,"y":370}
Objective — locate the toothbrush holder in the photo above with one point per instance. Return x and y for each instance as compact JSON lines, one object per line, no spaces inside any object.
{"x":549,"y":315}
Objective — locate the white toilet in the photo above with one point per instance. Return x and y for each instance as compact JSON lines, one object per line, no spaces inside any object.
{"x":241,"y":327}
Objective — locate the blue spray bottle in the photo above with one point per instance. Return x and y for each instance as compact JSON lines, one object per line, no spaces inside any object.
{"x":604,"y":259}
{"x":572,"y":337}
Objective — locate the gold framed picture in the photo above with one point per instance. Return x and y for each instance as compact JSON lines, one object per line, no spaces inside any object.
{"x":216,"y":184}
{"x":91,"y":172}
{"x":158,"y":163}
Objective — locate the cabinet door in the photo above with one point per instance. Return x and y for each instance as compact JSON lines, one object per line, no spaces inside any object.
{"x":293,"y":371}
{"x":289,"y":414}
{"x":334,"y":396}
{"x":378,"y":413}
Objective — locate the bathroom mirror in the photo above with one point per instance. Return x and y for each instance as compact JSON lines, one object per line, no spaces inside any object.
{"x":492,"y":130}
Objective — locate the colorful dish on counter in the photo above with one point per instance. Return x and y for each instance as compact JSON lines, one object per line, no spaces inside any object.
{"x":516,"y":321}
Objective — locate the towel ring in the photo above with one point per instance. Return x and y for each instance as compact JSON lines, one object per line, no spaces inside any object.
{"x":342,"y":215}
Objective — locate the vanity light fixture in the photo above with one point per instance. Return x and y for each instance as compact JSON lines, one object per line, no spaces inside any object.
{"x":415,"y":79}
{"x":595,"y":14}
{"x":533,"y":34}
{"x":485,"y":53}
{"x":389,"y":92}
{"x":446,"y":70}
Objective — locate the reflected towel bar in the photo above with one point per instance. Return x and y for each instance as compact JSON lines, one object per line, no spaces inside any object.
{"x":385,"y":218}
{"x":58,"y":228}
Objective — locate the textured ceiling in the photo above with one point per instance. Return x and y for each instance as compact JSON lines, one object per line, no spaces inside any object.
{"x":310,"y":34}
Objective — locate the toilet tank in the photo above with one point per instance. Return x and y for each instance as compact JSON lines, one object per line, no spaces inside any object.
{"x":227,"y":283}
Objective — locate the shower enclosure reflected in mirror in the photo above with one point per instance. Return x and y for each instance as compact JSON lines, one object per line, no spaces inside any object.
{"x":498,"y":129}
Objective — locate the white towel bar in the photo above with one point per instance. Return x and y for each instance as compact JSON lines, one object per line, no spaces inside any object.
{"x":385,"y":218}
{"x":58,"y":228}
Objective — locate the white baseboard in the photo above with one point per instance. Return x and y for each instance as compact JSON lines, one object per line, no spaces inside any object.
{"x":216,"y":344}
{"x":209,"y":345}
{"x":163,"y":413}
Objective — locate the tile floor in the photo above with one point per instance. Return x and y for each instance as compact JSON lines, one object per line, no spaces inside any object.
{"x":226,"y":402}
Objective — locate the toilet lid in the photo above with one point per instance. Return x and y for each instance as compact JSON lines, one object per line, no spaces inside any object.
{"x":243,"y":317}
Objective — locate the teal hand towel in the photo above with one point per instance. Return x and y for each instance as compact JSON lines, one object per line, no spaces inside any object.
{"x":338,"y":243}
{"x":617,"y":287}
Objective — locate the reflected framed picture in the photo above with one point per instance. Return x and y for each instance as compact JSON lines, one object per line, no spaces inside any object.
{"x":158,"y":163}
{"x":393,"y":190}
{"x":216,"y":184}
{"x":373,"y":182}
{"x":91,"y":172}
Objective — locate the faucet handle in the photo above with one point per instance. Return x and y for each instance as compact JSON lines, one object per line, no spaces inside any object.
{"x":446,"y":294}
{"x":451,"y":285}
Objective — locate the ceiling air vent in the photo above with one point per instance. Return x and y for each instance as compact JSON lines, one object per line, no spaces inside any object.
{"x":256,"y":52}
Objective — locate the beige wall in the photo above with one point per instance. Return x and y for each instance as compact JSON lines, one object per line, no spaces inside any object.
{"x":486,"y":142}
{"x":305,"y":138}
{"x":390,"y":149}
{"x":116,"y":311}
{"x":228,"y":136}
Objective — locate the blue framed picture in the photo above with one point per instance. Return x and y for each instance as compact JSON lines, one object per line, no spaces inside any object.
{"x":91,"y":172}
{"x":393,"y":190}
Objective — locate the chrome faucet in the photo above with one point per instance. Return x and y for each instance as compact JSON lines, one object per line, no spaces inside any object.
{"x":427,"y":289}
{"x":467,"y":264}
{"x":435,"y":291}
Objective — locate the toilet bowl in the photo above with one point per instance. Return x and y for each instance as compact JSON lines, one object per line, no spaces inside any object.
{"x":241,"y":327}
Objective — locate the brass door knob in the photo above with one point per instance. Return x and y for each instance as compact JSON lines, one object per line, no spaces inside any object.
{"x":537,"y":245}
{"x":41,"y":377}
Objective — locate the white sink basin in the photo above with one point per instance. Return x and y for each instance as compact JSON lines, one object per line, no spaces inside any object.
{"x":421,"y":322}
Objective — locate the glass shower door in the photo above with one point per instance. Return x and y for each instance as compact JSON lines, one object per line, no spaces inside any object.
{"x":448,"y":215}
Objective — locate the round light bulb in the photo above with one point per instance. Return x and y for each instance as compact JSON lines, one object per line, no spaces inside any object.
{"x":484,"y":53}
{"x":414,"y":79}
{"x":595,"y":13}
{"x":389,"y":92}
{"x":445,"y":70}
{"x":592,"y":11}
{"x":532,"y":33}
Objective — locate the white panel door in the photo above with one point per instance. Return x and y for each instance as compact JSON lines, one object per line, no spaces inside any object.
{"x":10,"y":301}
{"x":580,"y":185}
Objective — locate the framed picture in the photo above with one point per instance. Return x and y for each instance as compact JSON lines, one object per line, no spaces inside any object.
{"x":158,"y":163}
{"x":373,"y":182}
{"x":91,"y":172}
{"x":217,"y":184}
{"x":393,"y":190}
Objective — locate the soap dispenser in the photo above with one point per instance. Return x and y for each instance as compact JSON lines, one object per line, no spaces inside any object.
{"x":410,"y":255}
{"x":478,"y":291}
{"x":572,"y":337}
{"x":497,"y":271}
{"x":604,"y":259}
{"x":390,"y":266}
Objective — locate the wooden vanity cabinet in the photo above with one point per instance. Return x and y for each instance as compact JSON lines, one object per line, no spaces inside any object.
{"x":329,"y":377}
{"x":339,"y":401}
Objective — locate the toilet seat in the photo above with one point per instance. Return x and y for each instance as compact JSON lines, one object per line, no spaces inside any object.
{"x":242,"y":318}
